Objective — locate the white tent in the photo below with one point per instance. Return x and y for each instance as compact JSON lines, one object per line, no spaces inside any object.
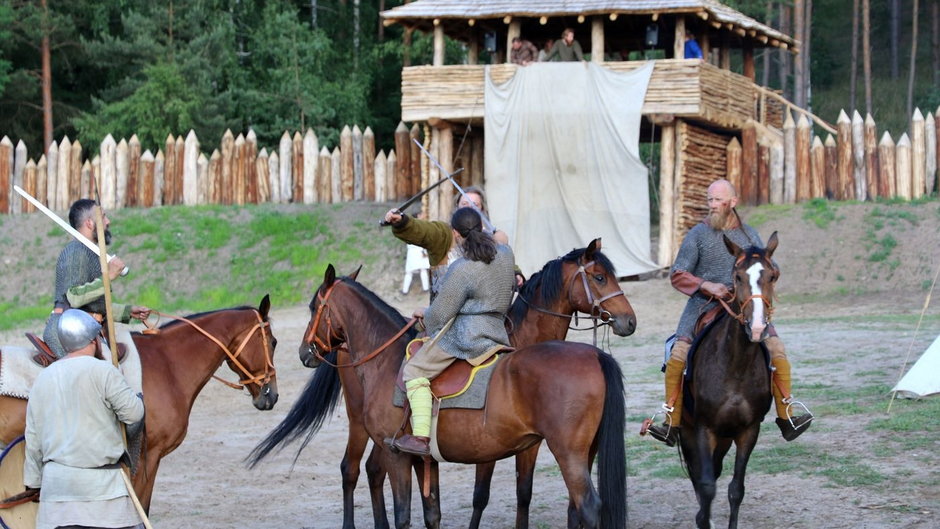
{"x":924,"y":376}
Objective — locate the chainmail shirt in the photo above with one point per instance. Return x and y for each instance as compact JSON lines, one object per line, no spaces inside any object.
{"x":704,"y":255}
{"x":477,"y":295}
{"x":77,"y":265}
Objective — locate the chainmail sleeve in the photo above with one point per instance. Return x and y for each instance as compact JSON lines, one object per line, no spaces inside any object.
{"x":76,"y":266}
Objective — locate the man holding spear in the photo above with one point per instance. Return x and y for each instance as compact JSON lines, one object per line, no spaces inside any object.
{"x":78,"y":279}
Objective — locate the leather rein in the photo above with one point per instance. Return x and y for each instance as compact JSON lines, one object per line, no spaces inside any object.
{"x":313,"y":340}
{"x":261,"y":379}
{"x":599,"y":314}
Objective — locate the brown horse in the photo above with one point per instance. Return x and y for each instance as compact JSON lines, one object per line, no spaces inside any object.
{"x":569,"y":394}
{"x":731,"y":382}
{"x":582,"y":281}
{"x":177,"y":362}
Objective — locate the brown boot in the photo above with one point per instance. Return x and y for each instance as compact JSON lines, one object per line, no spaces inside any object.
{"x":790,"y":427}
{"x":793,"y":428}
{"x":668,"y":432}
{"x":413,"y":444}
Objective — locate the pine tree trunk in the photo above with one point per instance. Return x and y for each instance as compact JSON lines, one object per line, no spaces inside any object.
{"x":808,"y":53}
{"x":313,"y":16}
{"x":866,"y":52}
{"x":853,"y":76}
{"x":799,"y":71}
{"x":935,"y":39}
{"x":46,"y":53}
{"x":783,"y":71}
{"x":912,"y":73}
{"x":894,"y":22}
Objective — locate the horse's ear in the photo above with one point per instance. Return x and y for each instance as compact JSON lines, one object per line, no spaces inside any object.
{"x":592,"y":248}
{"x":355,"y":274}
{"x":265,"y":306}
{"x":733,"y":249}
{"x":329,"y":277}
{"x":771,"y":245}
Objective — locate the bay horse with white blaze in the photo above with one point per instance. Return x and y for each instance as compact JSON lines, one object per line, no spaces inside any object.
{"x":177,"y":362}
{"x":731,"y":382}
{"x":581,"y":281}
{"x":569,"y":394}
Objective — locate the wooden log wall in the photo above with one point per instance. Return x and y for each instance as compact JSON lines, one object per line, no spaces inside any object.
{"x":299,"y":169}
{"x":852,"y":165}
{"x":701,"y":159}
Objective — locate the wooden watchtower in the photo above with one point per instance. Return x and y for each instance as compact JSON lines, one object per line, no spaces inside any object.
{"x":693,"y":107}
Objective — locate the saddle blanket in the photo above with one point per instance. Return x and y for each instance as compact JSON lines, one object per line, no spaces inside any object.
{"x":473,"y":397}
{"x":18,"y":371}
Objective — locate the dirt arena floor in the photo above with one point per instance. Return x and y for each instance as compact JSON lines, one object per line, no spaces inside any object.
{"x":835,"y":349}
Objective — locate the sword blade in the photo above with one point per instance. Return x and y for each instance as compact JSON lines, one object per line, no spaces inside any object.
{"x":64,"y":225}
{"x":404,"y":205}
{"x":450,"y":176}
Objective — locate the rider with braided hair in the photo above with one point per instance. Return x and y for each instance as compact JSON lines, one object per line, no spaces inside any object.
{"x":465,"y":320}
{"x":702,"y":271}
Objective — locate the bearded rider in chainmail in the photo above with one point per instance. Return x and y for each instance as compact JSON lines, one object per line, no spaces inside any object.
{"x":465,"y":320}
{"x":78,"y":281}
{"x":702,"y":271}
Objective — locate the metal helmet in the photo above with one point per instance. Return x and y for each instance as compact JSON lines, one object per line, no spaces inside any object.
{"x":76,"y":329}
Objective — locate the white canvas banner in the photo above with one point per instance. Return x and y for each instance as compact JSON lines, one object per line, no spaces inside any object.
{"x":562,"y":163}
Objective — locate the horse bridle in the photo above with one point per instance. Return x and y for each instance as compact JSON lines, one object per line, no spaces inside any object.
{"x":262,"y":379}
{"x":739,"y":316}
{"x":598,"y":312}
{"x":313,"y":340}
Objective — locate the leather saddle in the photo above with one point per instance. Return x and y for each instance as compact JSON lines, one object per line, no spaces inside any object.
{"x":455,"y":379}
{"x":45,"y":356}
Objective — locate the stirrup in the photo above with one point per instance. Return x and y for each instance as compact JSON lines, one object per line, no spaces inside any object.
{"x":791,"y":402}
{"x":665,"y":410}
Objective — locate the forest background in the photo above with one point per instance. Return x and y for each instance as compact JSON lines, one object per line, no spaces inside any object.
{"x":156,"y":68}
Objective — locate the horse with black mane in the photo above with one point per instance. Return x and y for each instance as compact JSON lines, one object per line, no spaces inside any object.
{"x":583,"y":280}
{"x":730,"y":382}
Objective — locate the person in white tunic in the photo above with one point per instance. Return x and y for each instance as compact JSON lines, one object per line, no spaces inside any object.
{"x":73,"y":435}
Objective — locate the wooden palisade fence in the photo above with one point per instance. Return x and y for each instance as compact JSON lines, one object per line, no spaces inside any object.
{"x":851,"y":163}
{"x":298,"y":170}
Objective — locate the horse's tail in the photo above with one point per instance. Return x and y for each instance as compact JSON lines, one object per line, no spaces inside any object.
{"x":316,"y":403}
{"x":612,"y":460}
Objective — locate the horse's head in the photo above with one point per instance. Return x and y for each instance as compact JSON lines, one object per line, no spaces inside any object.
{"x":593,"y":289}
{"x":323,"y":334}
{"x":754,"y":275}
{"x":253,"y":357}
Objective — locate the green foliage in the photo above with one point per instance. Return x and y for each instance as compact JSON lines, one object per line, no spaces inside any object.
{"x":820,"y":212}
{"x":162,"y":105}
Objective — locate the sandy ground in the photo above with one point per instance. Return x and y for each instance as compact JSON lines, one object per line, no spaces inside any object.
{"x":205,"y":484}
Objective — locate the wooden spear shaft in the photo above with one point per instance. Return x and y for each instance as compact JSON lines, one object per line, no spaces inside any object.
{"x":112,"y":345}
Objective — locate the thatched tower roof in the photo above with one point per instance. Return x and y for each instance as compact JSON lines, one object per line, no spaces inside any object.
{"x":458,"y":15}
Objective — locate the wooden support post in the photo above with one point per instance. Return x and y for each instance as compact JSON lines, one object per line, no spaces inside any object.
{"x":226,"y":180}
{"x":262,"y":169}
{"x":706,"y":46}
{"x":445,"y":151}
{"x":597,"y":39}
{"x":29,"y":184}
{"x":858,"y":156}
{"x":145,"y":180}
{"x":368,"y":165}
{"x":297,"y":168}
{"x":215,"y":185}
{"x":724,"y":54}
{"x":438,"y":58}
{"x":748,"y":190}
{"x":159,"y":176}
{"x":902,"y":166}
{"x":832,"y":167}
{"x":311,"y":162}
{"x":391,"y":169}
{"x":667,"y":194}
{"x":871,"y":157}
{"x":179,"y":151}
{"x":733,"y":162}
{"x":73,"y":192}
{"x":52,"y":173}
{"x":473,"y":53}
{"x":18,"y":204}
{"x":844,"y":146}
{"x":748,"y":52}
{"x":514,"y":31}
{"x":678,"y":41}
{"x":64,"y":169}
{"x":476,"y":155}
{"x":930,"y":132}
{"x":414,"y":158}
{"x":346,"y":165}
{"x":918,"y":155}
{"x":284,"y":172}
{"x":887,"y":185}
{"x":777,"y":157}
{"x":817,"y":169}
{"x":336,"y":177}
{"x":251,"y":147}
{"x":108,"y":179}
{"x":803,"y":144}
{"x":240,"y":167}
{"x":379,"y":165}
{"x":789,"y":158}
{"x":763,"y":174}
{"x":6,"y":174}
{"x":324,"y":173}
{"x":434,"y":174}
{"x":202,"y":177}
{"x":402,"y":176}
{"x":359,"y":191}
{"x":190,"y":168}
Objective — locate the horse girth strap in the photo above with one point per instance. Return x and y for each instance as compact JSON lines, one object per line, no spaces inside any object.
{"x":260,"y":379}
